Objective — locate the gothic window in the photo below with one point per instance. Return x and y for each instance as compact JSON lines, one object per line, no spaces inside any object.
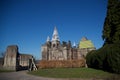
{"x":57,"y":45}
{"x":53,"y":45}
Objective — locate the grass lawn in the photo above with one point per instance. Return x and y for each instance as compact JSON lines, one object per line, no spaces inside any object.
{"x":71,"y":73}
{"x":2,"y":70}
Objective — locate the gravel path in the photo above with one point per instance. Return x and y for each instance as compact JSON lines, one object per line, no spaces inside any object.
{"x":22,"y":75}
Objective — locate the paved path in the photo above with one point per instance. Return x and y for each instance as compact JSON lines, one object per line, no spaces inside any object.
{"x":22,"y":75}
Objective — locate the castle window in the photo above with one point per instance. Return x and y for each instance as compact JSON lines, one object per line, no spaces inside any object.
{"x":53,"y":45}
{"x":57,"y":45}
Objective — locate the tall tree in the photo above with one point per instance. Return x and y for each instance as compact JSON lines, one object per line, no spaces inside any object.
{"x":111,"y":30}
{"x":108,"y":56}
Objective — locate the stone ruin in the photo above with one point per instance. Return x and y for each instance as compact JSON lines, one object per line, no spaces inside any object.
{"x":13,"y":60}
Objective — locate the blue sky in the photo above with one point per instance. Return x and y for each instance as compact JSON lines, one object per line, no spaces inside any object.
{"x":27,"y":23}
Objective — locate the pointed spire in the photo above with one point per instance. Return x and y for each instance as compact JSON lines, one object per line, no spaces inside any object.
{"x":55,"y":36}
{"x":48,"y":39}
{"x":74,"y":44}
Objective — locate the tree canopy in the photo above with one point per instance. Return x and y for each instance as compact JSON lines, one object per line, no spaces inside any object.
{"x":108,"y":57}
{"x":111,"y":30}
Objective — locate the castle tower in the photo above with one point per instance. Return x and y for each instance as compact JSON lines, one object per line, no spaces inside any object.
{"x":55,"y":38}
{"x":74,"y":45}
{"x":85,"y":43}
{"x":10,"y":60}
{"x":86,"y":46}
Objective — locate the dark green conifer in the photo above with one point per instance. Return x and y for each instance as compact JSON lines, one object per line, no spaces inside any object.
{"x":111,"y":30}
{"x":108,"y":56}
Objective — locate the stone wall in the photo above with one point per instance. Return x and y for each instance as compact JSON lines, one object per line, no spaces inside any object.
{"x":14,"y":60}
{"x":61,"y":63}
{"x":24,"y":60}
{"x":10,"y":58}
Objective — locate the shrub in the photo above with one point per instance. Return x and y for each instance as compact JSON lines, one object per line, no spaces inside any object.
{"x":106,"y":58}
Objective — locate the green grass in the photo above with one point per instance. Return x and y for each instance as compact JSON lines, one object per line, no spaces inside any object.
{"x":71,"y":73}
{"x":3,"y":70}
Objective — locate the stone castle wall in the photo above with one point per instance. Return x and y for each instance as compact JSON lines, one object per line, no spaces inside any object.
{"x":13,"y":60}
{"x":10,"y":58}
{"x":56,"y":54}
{"x":62,"y":63}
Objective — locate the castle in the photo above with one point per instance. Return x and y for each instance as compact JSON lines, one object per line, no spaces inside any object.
{"x":54,"y":50}
{"x":61,"y":54}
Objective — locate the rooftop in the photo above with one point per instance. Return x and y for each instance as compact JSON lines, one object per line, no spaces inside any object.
{"x":85,"y":43}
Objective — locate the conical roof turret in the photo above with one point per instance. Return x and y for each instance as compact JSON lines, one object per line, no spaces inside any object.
{"x":55,"y":36}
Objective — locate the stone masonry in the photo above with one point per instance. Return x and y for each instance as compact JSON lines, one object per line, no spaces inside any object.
{"x":54,"y":50}
{"x":14,"y":60}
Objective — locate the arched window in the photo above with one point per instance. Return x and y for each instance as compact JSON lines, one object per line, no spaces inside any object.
{"x":53,"y":45}
{"x":57,"y":44}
